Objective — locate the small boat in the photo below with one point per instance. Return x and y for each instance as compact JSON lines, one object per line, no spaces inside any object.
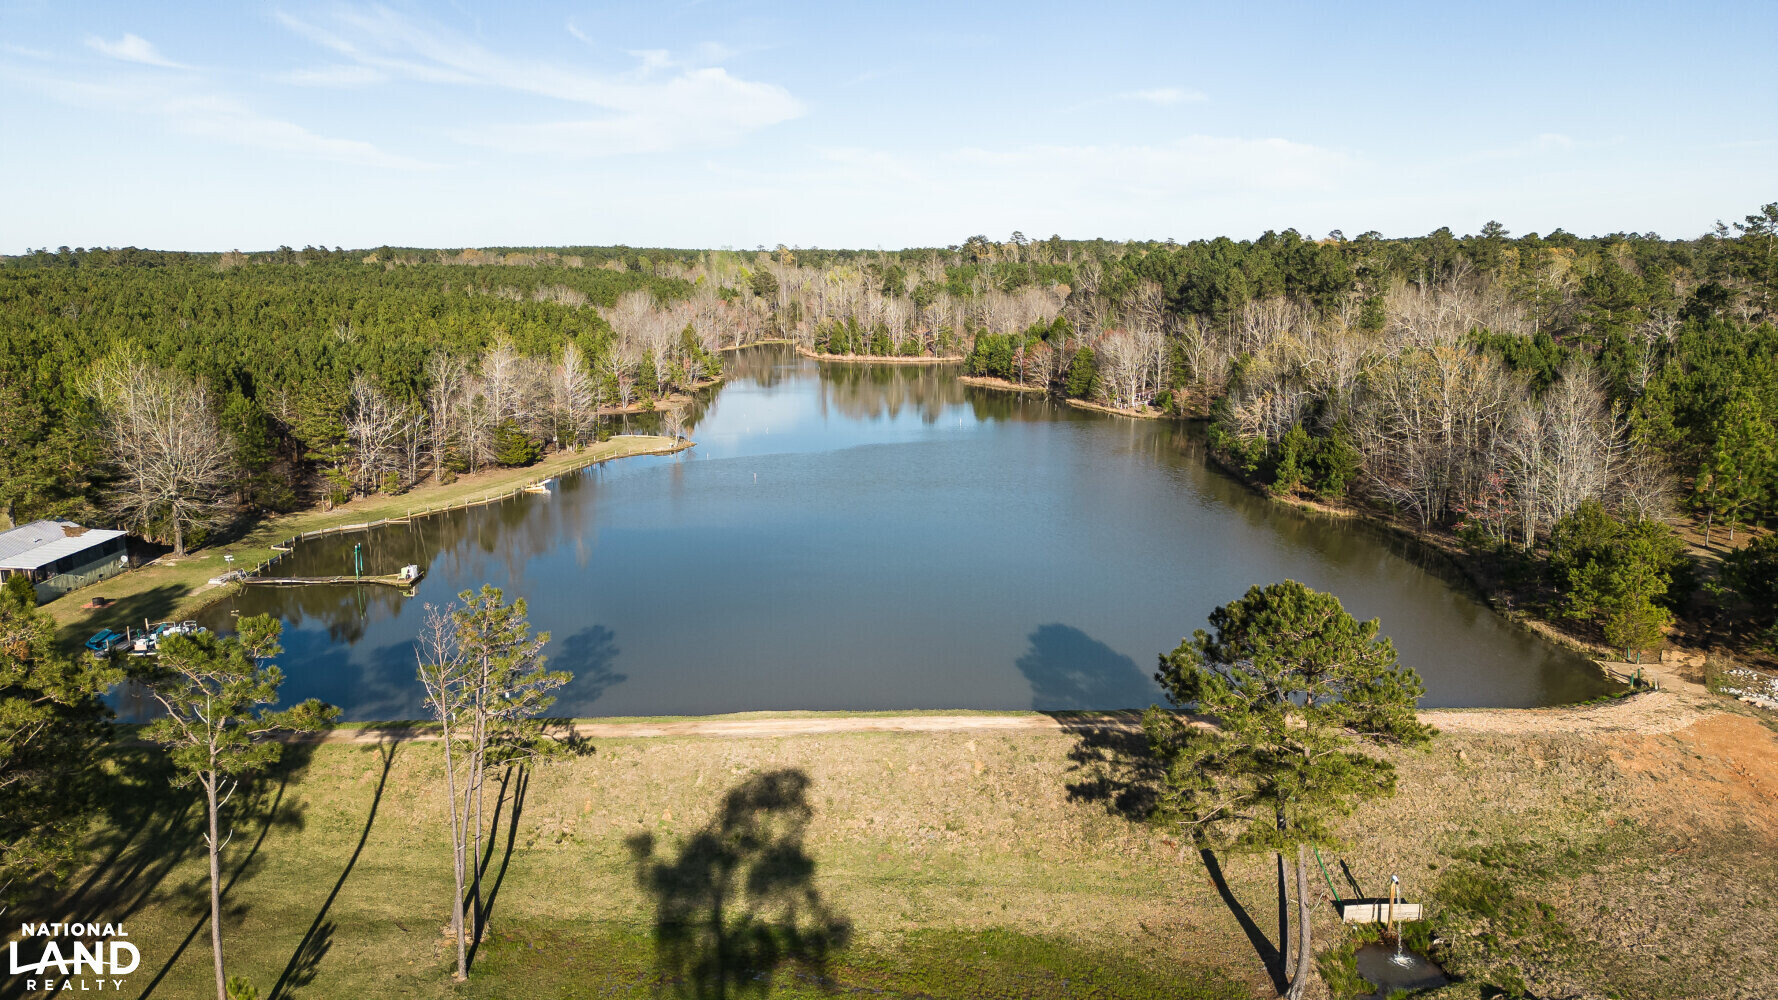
{"x":149,"y":642}
{"x":103,"y":642}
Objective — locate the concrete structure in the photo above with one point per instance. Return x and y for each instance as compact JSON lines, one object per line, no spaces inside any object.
{"x":59,"y":556}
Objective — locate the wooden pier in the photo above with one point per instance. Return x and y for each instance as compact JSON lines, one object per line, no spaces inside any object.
{"x":386,"y":579}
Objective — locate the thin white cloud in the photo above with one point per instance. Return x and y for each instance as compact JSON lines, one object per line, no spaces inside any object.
{"x":133,"y":48}
{"x":1166,"y":96}
{"x":228,"y":120}
{"x":700,"y":108}
{"x":338,"y":75}
{"x":187,"y":107}
{"x":662,"y":103}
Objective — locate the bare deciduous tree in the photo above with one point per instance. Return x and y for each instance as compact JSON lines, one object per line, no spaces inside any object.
{"x":445,"y":378}
{"x":376,"y":427}
{"x":573,"y":397}
{"x":174,"y":464}
{"x":618,"y":367}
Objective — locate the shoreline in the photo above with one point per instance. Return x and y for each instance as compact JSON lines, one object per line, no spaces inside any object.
{"x":173,"y":588}
{"x":1081,"y":404}
{"x":671,"y":401}
{"x":977,"y":835}
{"x":1003,"y":385}
{"x":1451,"y":554}
{"x":1649,"y":711}
{"x":754,"y":343}
{"x":880,"y":359}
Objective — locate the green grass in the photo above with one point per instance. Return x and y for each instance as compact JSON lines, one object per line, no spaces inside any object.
{"x":176,"y":588}
{"x":953,"y":864}
{"x":545,"y":962}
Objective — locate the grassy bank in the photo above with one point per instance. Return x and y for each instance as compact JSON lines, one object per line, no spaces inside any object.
{"x":754,"y":343}
{"x":1004,"y":385}
{"x":1145,"y":413}
{"x":177,"y":587}
{"x":1558,"y":851}
{"x":882,"y":359}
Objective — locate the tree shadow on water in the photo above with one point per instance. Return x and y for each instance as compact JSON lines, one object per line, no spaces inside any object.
{"x":738,"y":901}
{"x":589,"y":654}
{"x":1068,"y":669}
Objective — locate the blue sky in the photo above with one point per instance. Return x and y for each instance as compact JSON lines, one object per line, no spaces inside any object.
{"x":215,"y":126}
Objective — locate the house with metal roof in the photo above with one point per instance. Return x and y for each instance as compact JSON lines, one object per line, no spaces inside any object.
{"x":59,"y":556}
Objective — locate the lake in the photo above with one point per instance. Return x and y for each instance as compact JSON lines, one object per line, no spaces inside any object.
{"x":882,"y":537}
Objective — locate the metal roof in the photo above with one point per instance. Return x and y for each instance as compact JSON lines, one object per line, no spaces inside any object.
{"x":34,"y":545}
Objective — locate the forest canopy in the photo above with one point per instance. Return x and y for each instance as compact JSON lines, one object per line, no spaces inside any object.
{"x":1488,"y":380}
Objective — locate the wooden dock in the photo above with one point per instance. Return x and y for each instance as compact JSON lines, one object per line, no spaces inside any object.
{"x":386,"y":580}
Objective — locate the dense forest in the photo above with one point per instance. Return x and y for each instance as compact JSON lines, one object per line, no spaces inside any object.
{"x":1539,"y":393}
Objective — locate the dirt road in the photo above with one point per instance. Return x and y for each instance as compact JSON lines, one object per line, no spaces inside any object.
{"x":1654,"y":712}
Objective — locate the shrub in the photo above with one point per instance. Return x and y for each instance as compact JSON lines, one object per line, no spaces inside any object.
{"x":513,"y":447}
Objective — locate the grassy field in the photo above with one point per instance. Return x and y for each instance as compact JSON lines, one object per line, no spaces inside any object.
{"x":175,"y":588}
{"x":1620,"y":850}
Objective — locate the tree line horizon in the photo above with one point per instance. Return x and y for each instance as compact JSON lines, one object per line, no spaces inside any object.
{"x":1550,"y":402}
{"x":1492,"y":385}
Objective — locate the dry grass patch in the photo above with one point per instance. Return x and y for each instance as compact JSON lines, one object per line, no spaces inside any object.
{"x":980,"y":864}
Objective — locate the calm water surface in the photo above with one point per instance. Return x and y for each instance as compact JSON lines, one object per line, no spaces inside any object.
{"x":855,"y":537}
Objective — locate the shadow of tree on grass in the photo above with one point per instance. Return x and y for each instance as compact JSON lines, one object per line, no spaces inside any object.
{"x":1112,"y":762}
{"x":318,"y":939}
{"x":738,"y":901}
{"x":149,"y":833}
{"x":1117,"y":770}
